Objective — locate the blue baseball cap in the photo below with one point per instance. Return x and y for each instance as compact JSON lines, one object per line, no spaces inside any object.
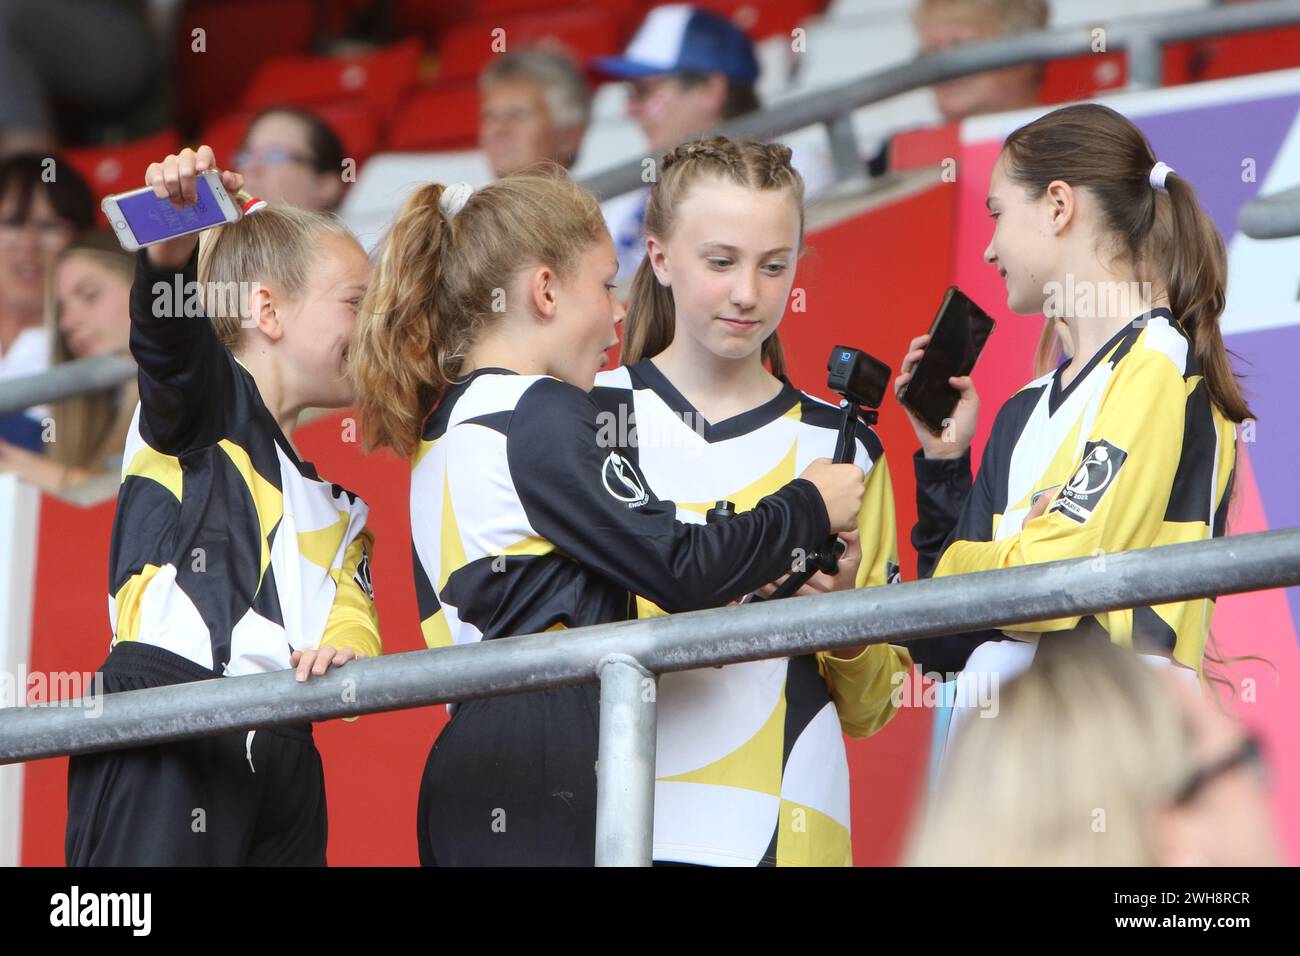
{"x":678,"y":38}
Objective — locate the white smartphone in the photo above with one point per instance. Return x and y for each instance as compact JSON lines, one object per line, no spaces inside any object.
{"x":139,"y":218}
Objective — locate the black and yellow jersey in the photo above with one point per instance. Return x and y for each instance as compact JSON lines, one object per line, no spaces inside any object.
{"x":525,"y":518}
{"x":750,"y":759}
{"x":1141,"y":457}
{"x":227,"y":548}
{"x":527,"y":515}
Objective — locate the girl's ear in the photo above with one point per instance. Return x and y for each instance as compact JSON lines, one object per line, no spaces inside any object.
{"x":1061,"y":204}
{"x":540,"y":284}
{"x":262,"y":314}
{"x":658,"y":257}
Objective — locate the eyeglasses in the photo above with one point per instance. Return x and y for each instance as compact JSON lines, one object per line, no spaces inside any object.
{"x":647,"y":86}
{"x":1248,"y":753}
{"x":52,"y":234}
{"x":272,"y":156}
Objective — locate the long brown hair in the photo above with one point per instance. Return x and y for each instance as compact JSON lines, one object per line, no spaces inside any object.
{"x":92,"y":427}
{"x":651,"y":314}
{"x":1165,"y":235}
{"x":437,"y":284}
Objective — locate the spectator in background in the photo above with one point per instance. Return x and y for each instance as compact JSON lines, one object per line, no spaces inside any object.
{"x":943,"y":24}
{"x":1095,"y":758}
{"x":87,"y":314}
{"x":535,"y":109}
{"x":687,"y":70}
{"x":94,"y":55}
{"x":43,"y":204}
{"x":292,"y":156}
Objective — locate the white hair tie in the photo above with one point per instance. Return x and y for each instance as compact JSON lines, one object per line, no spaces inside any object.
{"x":1159,"y":173}
{"x":454,"y":198}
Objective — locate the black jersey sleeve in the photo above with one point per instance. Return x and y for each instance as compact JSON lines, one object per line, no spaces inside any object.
{"x":593,"y":503}
{"x":942,"y":487}
{"x":949,"y":507}
{"x":184,"y":370}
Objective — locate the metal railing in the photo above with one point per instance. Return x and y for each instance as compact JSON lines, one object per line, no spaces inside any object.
{"x":626,"y":657}
{"x":1272,"y":217}
{"x":1139,"y":37}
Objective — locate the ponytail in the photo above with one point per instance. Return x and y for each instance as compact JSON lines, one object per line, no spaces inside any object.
{"x":397,"y":354}
{"x":1194,"y":262}
{"x":1163,"y":232}
{"x":437,"y":285}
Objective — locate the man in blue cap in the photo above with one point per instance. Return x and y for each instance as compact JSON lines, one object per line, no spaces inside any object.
{"x":688,"y":70}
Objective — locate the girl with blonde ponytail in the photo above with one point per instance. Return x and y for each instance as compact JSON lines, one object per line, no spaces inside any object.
{"x":230,"y":554}
{"x":1131,"y":441}
{"x":716,"y":418}
{"x":488,"y":317}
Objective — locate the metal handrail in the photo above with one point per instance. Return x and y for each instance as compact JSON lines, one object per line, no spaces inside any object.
{"x":624,"y":656}
{"x":1272,"y":217}
{"x":1140,"y":37}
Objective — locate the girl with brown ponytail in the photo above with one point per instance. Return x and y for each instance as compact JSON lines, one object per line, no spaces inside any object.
{"x":488,"y":317}
{"x":1129,"y":443}
{"x":716,"y":418}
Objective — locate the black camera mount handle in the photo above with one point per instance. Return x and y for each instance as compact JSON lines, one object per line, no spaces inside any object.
{"x":860,"y":381}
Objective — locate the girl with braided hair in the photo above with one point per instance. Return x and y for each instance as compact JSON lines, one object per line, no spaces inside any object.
{"x":488,"y":317}
{"x":750,"y":764}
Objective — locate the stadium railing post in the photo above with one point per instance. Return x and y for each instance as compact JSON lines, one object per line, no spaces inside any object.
{"x":625,"y":763}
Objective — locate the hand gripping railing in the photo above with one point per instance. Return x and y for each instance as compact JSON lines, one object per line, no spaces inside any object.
{"x":625,"y":656}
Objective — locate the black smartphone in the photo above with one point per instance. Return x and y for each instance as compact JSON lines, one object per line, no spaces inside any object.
{"x":957,"y":336}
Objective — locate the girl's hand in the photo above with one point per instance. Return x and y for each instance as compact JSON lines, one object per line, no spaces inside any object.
{"x":841,"y":487}
{"x":174,"y":178}
{"x":960,"y":428}
{"x":1041,"y":501}
{"x":844,"y":579}
{"x":36,"y":469}
{"x":318,"y":662}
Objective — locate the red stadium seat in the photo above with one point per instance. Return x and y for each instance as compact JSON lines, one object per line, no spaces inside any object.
{"x":584,"y":32}
{"x":1237,"y":55}
{"x":380,"y":78}
{"x":417,"y":15}
{"x":237,"y":35}
{"x":335,"y":17}
{"x":1082,"y":77}
{"x":429,"y":21}
{"x":115,"y":169}
{"x":352,"y":121}
{"x":437,"y":117}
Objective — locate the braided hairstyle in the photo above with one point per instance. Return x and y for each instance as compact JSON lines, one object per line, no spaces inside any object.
{"x":651,"y":313}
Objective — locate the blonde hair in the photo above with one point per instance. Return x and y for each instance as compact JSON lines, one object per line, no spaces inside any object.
{"x":92,"y":427}
{"x":437,"y":285}
{"x":1083,"y":747}
{"x":277,"y":247}
{"x":651,"y":312}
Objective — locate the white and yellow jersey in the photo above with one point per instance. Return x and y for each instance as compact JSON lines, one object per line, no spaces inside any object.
{"x":750,"y":761}
{"x":228,"y":549}
{"x":1141,"y":457}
